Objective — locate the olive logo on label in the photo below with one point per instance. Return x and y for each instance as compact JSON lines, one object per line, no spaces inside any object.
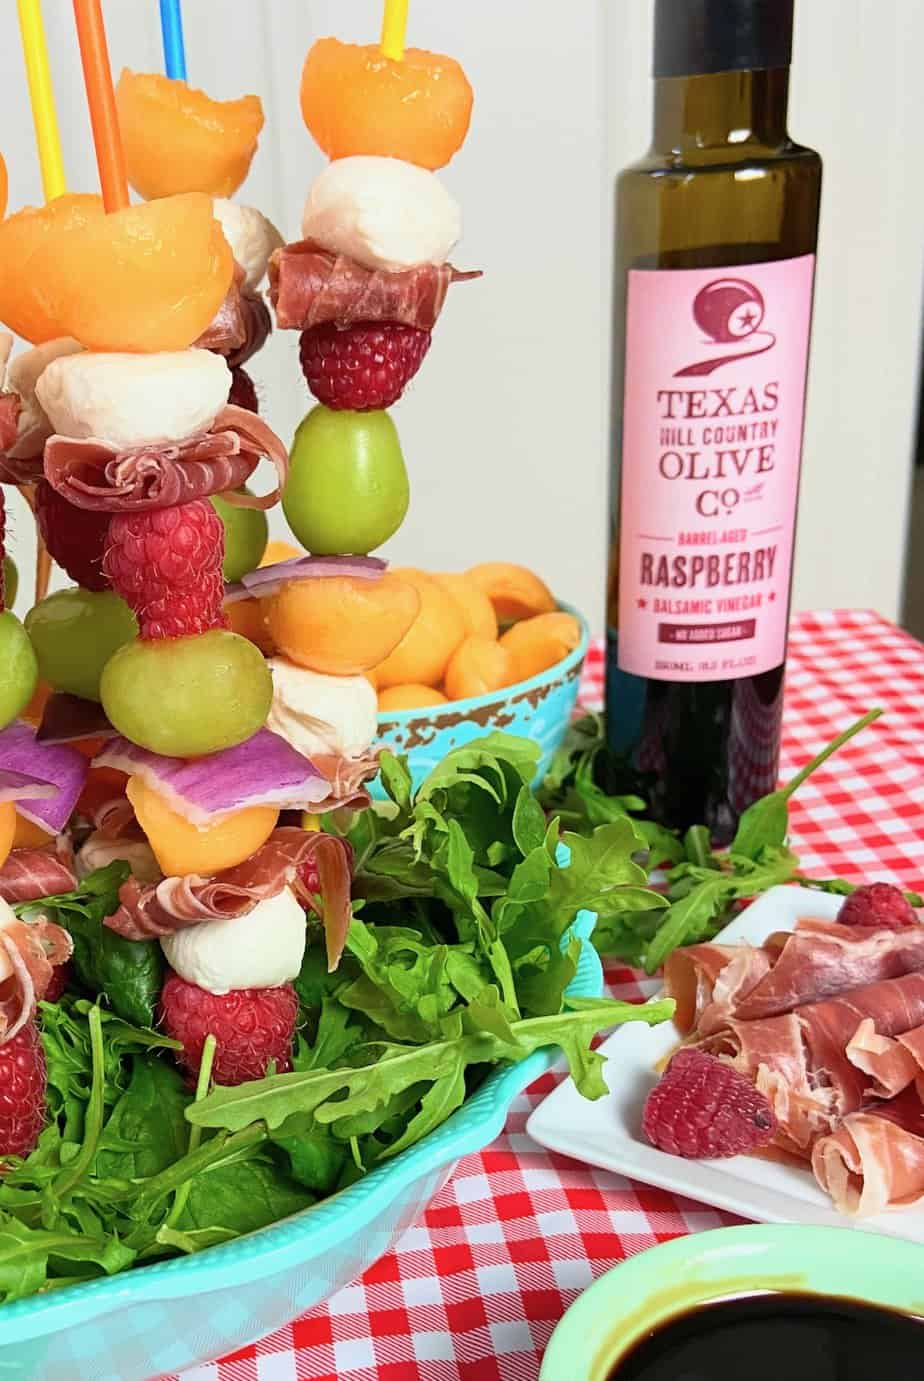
{"x":729,"y":312}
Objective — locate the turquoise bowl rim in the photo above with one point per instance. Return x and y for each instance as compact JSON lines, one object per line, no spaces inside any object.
{"x":559,"y":671}
{"x":307,"y":1236}
{"x":647,"y":1289}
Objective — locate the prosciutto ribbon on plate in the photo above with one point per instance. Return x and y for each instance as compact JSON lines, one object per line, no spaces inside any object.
{"x":30,"y":874}
{"x":875,"y":1159}
{"x":309,"y":286}
{"x":714,"y":983}
{"x":148,"y":912}
{"x":94,"y":476}
{"x":800,"y":1061}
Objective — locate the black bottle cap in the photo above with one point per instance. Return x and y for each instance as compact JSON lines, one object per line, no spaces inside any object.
{"x":696,"y":36}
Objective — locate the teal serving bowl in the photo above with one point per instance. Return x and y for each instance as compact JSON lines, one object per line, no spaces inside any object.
{"x":635,"y":1298}
{"x":540,"y":709}
{"x":165,"y":1317}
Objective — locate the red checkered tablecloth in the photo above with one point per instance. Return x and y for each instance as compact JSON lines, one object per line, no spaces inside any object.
{"x":473,"y":1291}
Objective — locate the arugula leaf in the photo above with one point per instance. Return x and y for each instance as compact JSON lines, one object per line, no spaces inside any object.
{"x":25,"y":1254}
{"x":128,"y":973}
{"x":765,"y":824}
{"x":330,"y":1095}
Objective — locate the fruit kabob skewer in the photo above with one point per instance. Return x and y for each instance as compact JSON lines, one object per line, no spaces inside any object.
{"x":143,"y":433}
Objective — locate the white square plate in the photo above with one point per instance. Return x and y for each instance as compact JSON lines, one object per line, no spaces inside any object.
{"x":608,"y":1133}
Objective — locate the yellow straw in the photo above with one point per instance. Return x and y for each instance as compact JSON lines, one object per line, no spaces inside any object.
{"x":394,"y":23}
{"x":42,"y":97}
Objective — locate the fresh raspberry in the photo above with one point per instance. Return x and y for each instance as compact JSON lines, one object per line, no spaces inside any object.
{"x":60,"y":977}
{"x":22,"y":1092}
{"x":703,"y":1107}
{"x":75,"y":537}
{"x":166,"y":565}
{"x":251,"y":1026}
{"x":243,"y":393}
{"x":309,"y":877}
{"x":361,"y":367}
{"x":877,"y":904}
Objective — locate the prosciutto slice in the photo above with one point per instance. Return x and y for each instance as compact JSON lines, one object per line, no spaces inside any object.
{"x":309,"y":286}
{"x":29,"y":952}
{"x":9,"y":420}
{"x":890,"y":1065}
{"x":31,"y":874}
{"x":800,"y":1060}
{"x":257,"y":324}
{"x":92,"y":475}
{"x":875,"y":1159}
{"x":713,"y":983}
{"x":148,"y":912}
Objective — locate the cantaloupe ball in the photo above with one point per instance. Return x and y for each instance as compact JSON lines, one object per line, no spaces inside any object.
{"x":472,"y":603}
{"x":477,"y":667}
{"x":182,"y":848}
{"x":277,"y":550}
{"x":247,"y":617}
{"x":342,"y":625}
{"x":355,"y":100}
{"x":410,"y":697}
{"x":538,"y":643}
{"x":178,"y":139}
{"x":514,"y":591}
{"x":28,"y":835}
{"x":4,"y":187}
{"x":8,"y":819}
{"x":422,"y":654}
{"x":31,"y":239}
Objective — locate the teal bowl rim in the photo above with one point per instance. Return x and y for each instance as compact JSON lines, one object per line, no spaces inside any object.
{"x":560,"y":670}
{"x":308,"y":1235}
{"x":586,"y":1343}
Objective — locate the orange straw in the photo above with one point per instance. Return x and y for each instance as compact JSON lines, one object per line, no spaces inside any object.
{"x":97,"y":76}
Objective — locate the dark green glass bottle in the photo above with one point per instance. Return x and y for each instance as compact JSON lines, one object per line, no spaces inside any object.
{"x":716,"y":230}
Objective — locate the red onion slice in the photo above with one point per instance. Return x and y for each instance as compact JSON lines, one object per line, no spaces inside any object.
{"x":266,"y":580}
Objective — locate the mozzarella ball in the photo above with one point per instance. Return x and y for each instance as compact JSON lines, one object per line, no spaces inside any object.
{"x":98,"y":851}
{"x":33,"y":428}
{"x":7,"y":917}
{"x":260,"y":950}
{"x":383,"y":213}
{"x":251,"y":236}
{"x":134,"y":400}
{"x":321,"y":714}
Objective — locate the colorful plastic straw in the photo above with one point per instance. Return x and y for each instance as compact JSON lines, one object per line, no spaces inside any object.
{"x":41,"y":96}
{"x":171,"y":27}
{"x":394,"y":24}
{"x":97,"y":77}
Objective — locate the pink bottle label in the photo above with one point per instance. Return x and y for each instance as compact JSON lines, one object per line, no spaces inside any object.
{"x":712,"y":439}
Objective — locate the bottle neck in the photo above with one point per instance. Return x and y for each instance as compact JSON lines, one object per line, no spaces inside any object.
{"x":719,"y":110}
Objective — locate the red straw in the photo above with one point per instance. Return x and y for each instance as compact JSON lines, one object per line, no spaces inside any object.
{"x":97,"y":76}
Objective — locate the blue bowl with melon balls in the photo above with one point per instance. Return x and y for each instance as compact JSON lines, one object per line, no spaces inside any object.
{"x":540,"y":709}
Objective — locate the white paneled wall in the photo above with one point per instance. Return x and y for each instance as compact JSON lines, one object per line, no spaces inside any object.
{"x":504,"y":429}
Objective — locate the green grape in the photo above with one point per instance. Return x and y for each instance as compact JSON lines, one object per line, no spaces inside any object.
{"x":18,"y":668}
{"x":10,"y":581}
{"x":188,"y":696}
{"x":347,"y":490}
{"x":74,"y":633}
{"x":246,"y":535}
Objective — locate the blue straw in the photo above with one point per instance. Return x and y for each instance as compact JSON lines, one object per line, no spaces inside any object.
{"x":171,"y":23}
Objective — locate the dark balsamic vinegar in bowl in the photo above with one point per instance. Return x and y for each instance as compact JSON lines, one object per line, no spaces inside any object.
{"x":779,"y":1337}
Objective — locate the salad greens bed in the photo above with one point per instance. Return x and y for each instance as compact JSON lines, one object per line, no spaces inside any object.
{"x":457,"y":959}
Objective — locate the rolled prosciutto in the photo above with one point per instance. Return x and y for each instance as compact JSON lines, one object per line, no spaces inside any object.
{"x":714,"y":983}
{"x":148,"y":912}
{"x":92,"y":475}
{"x":874,"y":1159}
{"x":30,"y":874}
{"x":309,"y":286}
{"x":800,"y":1061}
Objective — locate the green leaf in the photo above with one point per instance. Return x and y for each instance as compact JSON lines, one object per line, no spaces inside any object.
{"x":147,"y":1129}
{"x":765,"y":824}
{"x":25,"y":1254}
{"x":529,"y":824}
{"x":331,"y":1094}
{"x":396,"y":779}
{"x":241,"y":1197}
